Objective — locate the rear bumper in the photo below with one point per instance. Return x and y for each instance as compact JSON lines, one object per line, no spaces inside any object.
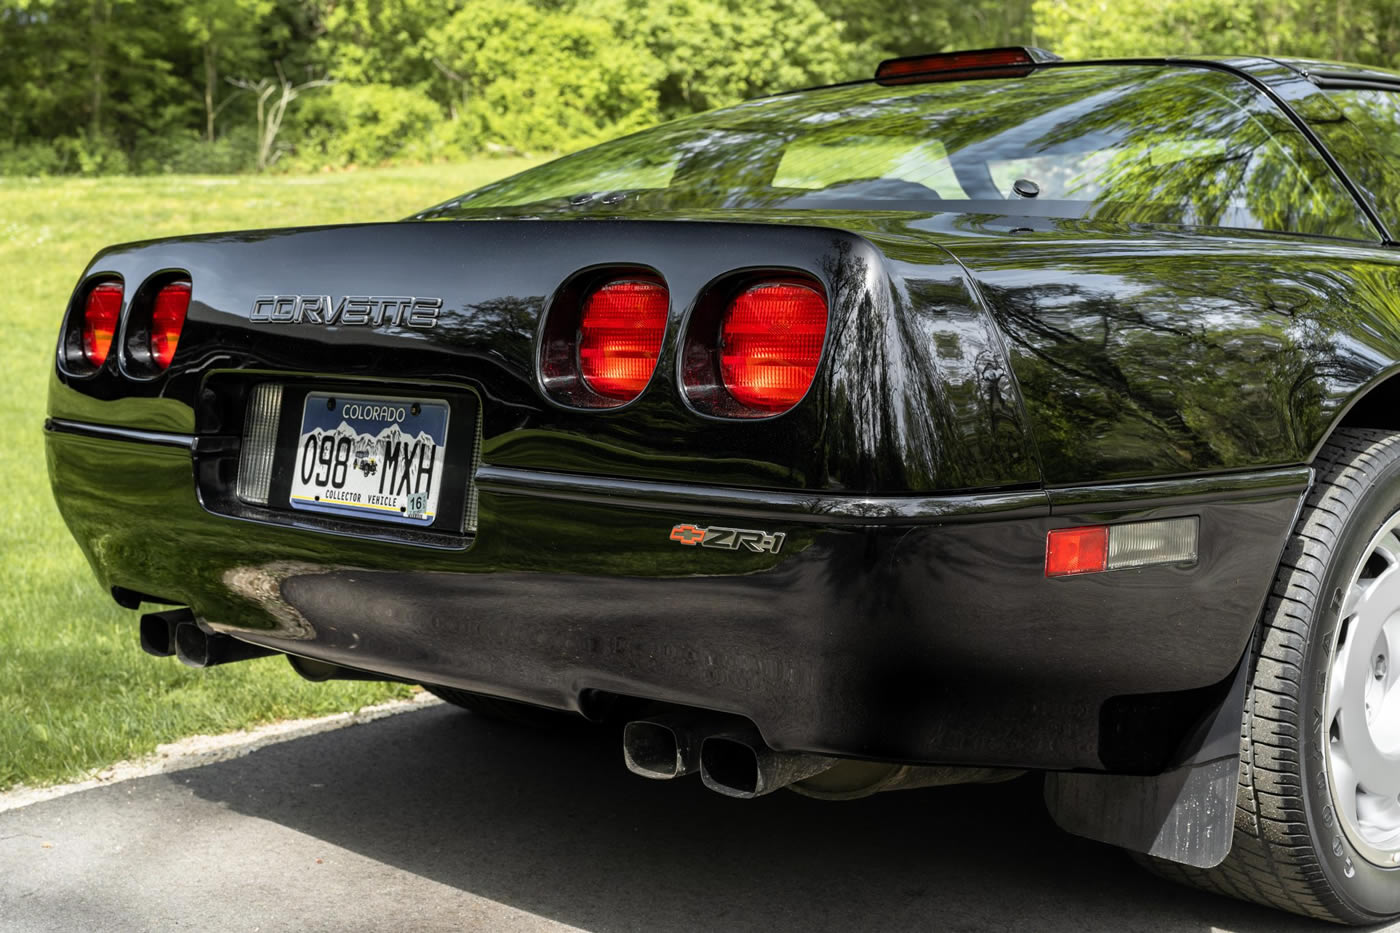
{"x":915,"y":629}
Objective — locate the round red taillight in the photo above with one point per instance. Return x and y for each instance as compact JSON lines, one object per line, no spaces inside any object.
{"x":100,"y":314}
{"x":620,"y":335}
{"x":770,"y":343}
{"x":167,"y":320}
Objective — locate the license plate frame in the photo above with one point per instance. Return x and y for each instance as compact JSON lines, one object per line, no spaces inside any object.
{"x":388,"y":457}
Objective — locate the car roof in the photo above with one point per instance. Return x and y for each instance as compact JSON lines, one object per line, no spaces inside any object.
{"x":1329,"y":73}
{"x":1326,"y":74}
{"x":1319,"y":71}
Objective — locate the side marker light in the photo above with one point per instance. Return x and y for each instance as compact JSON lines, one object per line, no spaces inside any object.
{"x":1096,"y":548}
{"x":1076,"y":550}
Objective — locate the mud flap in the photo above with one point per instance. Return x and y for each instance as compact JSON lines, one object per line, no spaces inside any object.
{"x":1186,"y":814}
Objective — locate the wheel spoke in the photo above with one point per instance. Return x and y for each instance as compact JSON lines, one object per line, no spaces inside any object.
{"x":1344,"y":781}
{"x":1379,"y":818}
{"x":1388,"y":547}
{"x":1336,"y":678}
{"x":1355,"y":594}
{"x":1385,"y":718}
{"x":1390,"y":642}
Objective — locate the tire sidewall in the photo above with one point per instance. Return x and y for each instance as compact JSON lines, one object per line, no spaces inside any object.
{"x":1372,"y":893}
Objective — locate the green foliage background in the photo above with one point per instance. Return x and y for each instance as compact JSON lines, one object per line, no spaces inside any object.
{"x":146,"y":86}
{"x":100,"y":87}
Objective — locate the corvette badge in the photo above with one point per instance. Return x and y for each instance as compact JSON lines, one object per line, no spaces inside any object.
{"x":349,"y":311}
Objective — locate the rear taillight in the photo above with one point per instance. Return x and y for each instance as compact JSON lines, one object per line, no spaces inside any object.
{"x":101,"y":312}
{"x":167,"y":320}
{"x":619,"y":337}
{"x":770,"y":342}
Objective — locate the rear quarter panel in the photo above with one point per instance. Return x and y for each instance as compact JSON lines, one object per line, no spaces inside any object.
{"x":1154,"y":353}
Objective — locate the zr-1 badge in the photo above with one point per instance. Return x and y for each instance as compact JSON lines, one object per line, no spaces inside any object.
{"x":729,"y":539}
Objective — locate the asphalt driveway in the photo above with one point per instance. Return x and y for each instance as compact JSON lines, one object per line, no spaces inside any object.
{"x":436,"y":820}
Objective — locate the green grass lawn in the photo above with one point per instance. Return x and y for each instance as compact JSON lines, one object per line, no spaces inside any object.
{"x":76,"y":692}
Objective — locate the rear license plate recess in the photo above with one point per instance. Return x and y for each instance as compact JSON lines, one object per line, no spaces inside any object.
{"x":371,"y":457}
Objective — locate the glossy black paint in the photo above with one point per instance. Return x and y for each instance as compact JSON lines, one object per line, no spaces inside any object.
{"x":988,"y":377}
{"x":1159,"y":354}
{"x":920,"y":642}
{"x":495,"y":280}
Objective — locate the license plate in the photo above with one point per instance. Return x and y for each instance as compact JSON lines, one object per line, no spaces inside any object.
{"x":371,"y":457}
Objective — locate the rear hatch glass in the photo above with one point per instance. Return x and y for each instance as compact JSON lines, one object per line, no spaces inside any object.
{"x":1130,"y":143}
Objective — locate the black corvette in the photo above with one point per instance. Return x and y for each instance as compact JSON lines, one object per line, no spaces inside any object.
{"x":997,"y":414}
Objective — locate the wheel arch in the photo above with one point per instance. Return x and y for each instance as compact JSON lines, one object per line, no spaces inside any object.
{"x":1374,"y":405}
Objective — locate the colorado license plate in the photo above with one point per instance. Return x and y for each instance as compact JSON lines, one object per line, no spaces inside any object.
{"x":371,"y":457}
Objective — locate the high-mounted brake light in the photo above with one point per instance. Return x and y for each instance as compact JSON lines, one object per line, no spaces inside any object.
{"x":100,"y":313}
{"x":167,"y":321}
{"x":770,"y":343}
{"x":1096,"y":548}
{"x":1003,"y":62}
{"x":620,"y":336}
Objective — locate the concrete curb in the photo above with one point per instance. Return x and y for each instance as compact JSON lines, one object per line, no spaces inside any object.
{"x":200,"y":750}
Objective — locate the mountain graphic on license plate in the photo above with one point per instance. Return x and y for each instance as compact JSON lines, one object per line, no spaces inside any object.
{"x":371,"y":457}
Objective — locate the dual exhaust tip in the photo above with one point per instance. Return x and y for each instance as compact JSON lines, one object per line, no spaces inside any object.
{"x":176,"y":633}
{"x":729,"y":753}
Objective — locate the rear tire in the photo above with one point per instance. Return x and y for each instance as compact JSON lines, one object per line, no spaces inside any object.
{"x":506,"y":711}
{"x":1298,"y":842}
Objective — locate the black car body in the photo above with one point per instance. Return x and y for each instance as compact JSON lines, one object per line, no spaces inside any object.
{"x":862,"y":575}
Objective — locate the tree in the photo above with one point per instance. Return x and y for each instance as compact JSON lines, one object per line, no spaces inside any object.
{"x":534,"y":79}
{"x":104,"y":61}
{"x":223,"y":30}
{"x":270,"y":116}
{"x":717,"y":52}
{"x":908,"y":27}
{"x":1355,"y":30}
{"x":380,"y":41}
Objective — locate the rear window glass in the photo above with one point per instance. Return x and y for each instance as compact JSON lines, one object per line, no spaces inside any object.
{"x":816,"y":164}
{"x":1371,"y":156}
{"x":1148,"y":144}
